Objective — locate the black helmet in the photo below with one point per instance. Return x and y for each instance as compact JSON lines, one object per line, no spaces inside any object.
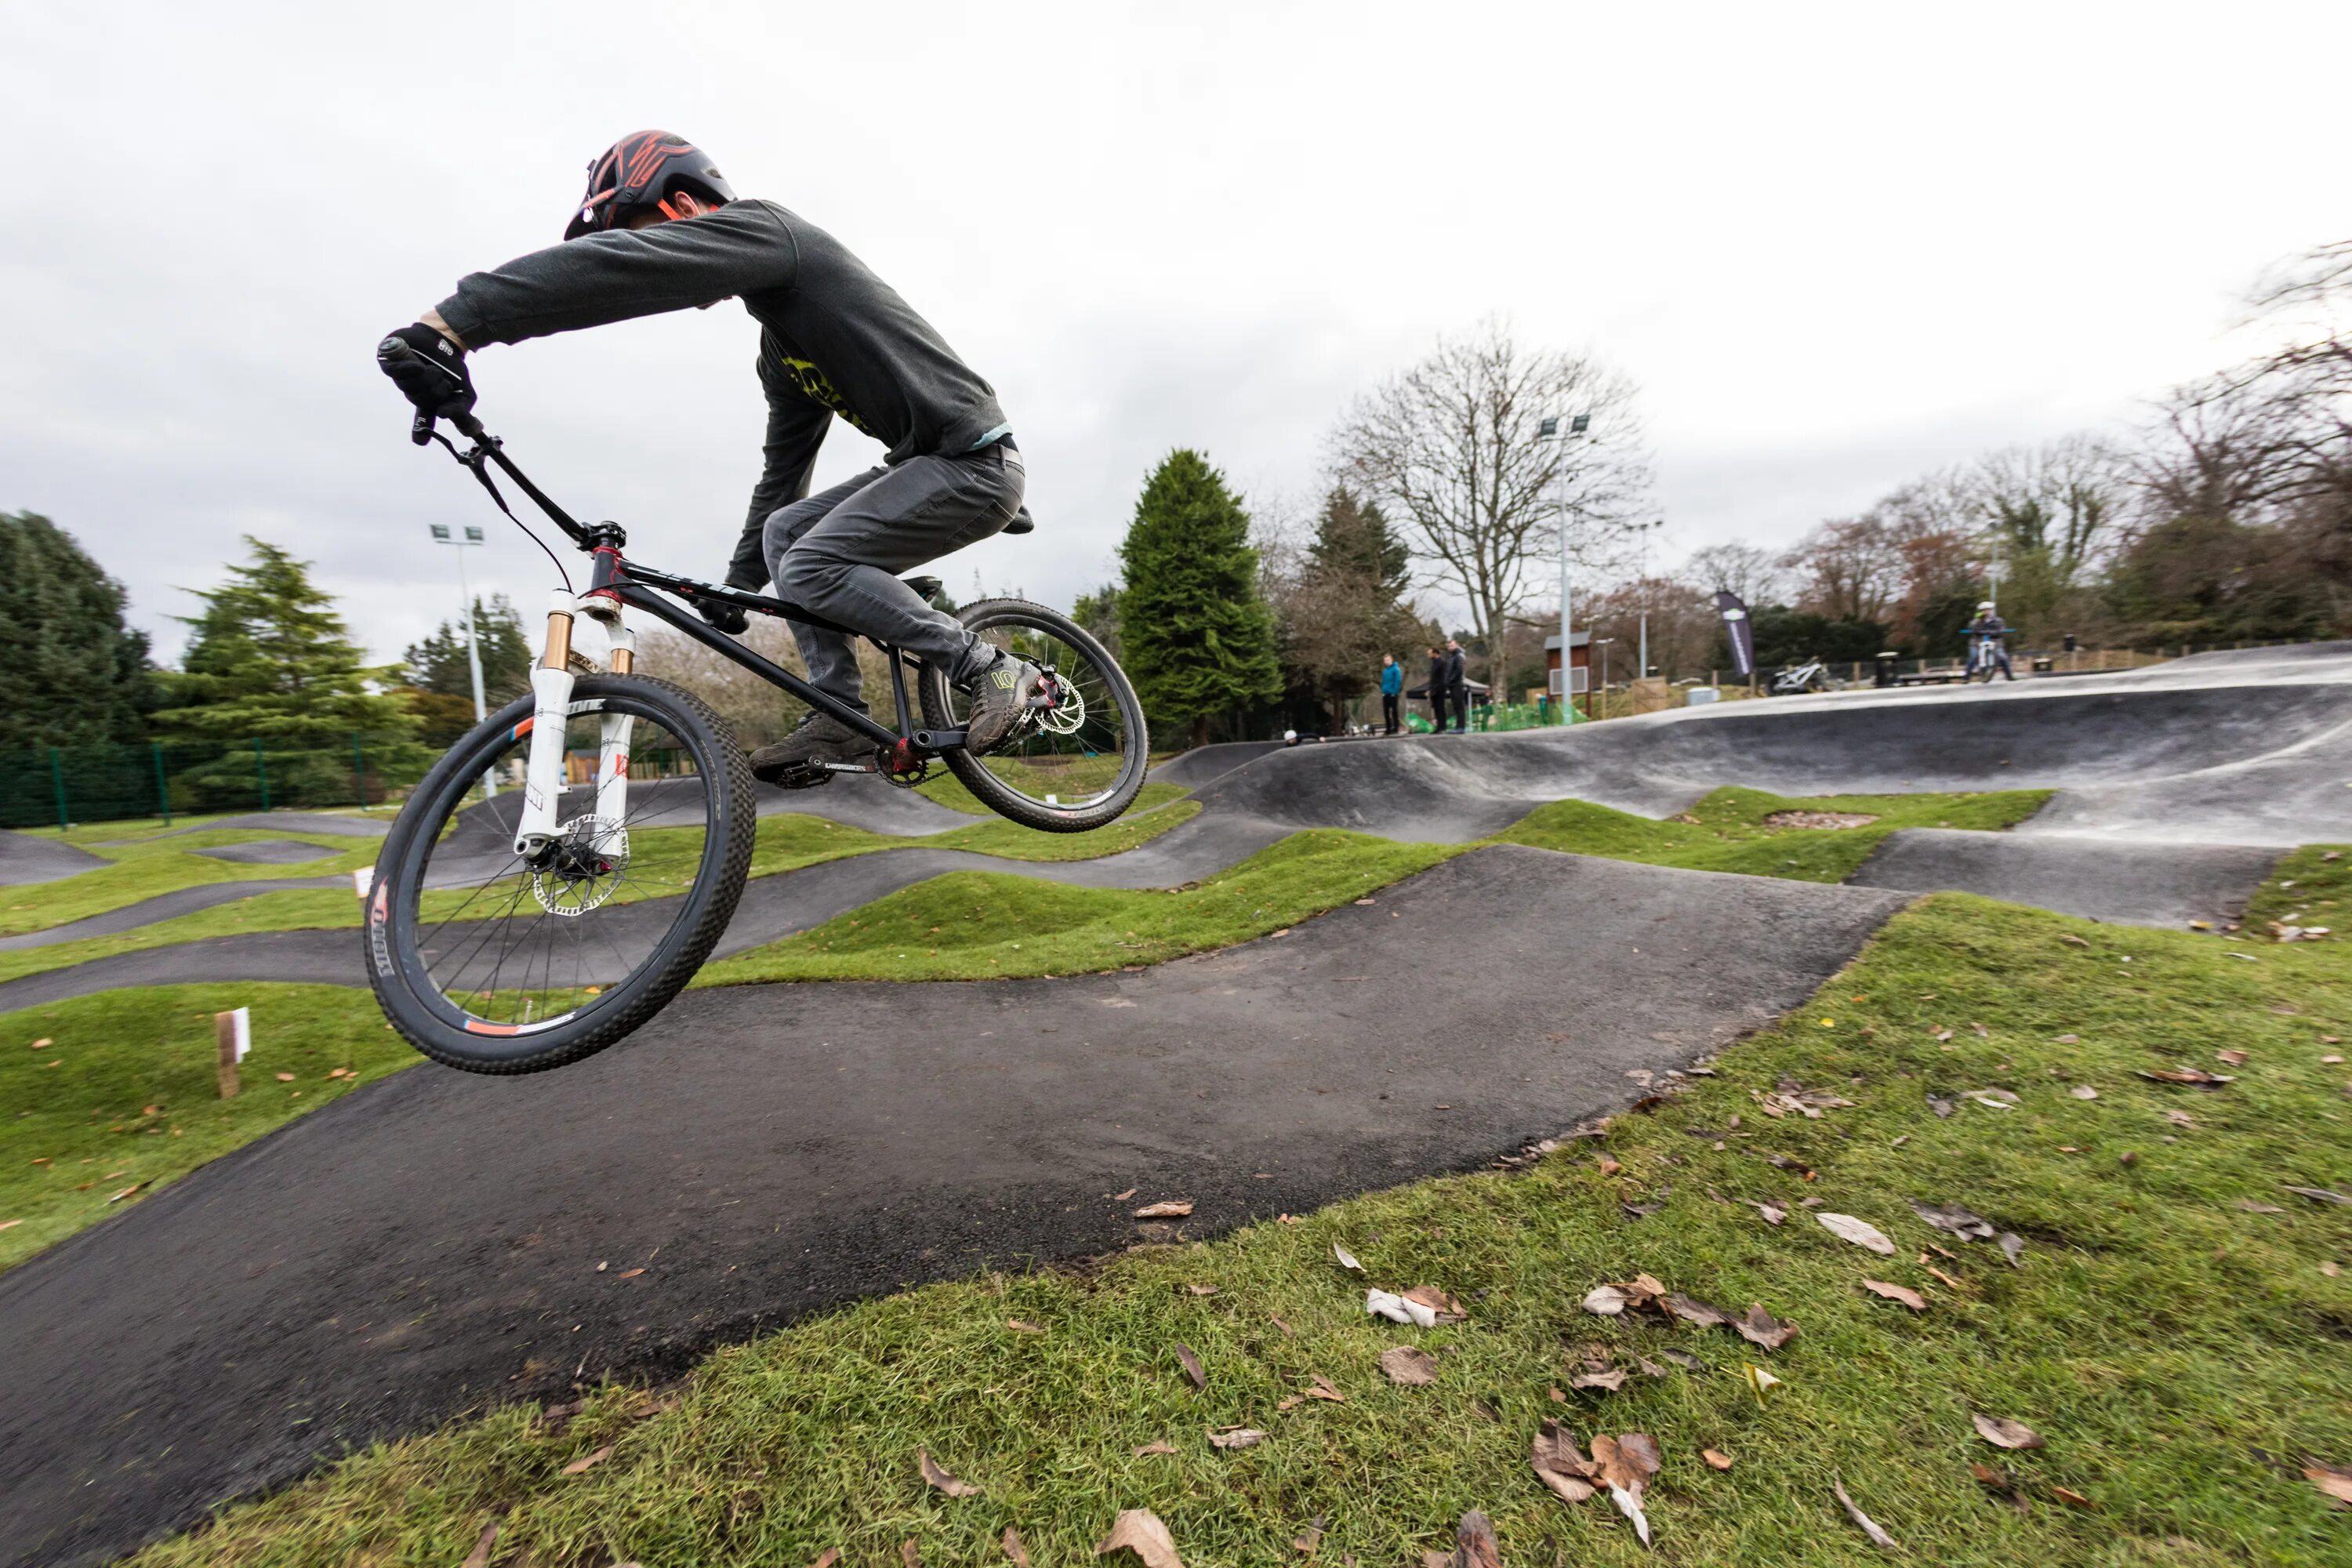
{"x":639,"y":171}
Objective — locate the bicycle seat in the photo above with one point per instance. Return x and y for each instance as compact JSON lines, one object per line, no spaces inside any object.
{"x":926,"y":588}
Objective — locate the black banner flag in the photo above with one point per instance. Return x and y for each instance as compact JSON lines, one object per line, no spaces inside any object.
{"x":1739,"y":632}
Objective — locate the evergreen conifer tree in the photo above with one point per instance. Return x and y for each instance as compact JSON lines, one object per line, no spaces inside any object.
{"x":76,"y":675}
{"x":1196,"y":636}
{"x":272,"y":684}
{"x":438,"y":664}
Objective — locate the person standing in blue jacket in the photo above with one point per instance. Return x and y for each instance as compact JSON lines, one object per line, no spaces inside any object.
{"x":1392,"y":687}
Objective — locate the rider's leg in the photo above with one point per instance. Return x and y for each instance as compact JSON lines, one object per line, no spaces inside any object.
{"x":846,"y":567}
{"x":832,"y":660}
{"x":846,"y":564}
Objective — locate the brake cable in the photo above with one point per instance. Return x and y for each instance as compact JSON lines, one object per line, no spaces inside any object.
{"x":477,"y":461}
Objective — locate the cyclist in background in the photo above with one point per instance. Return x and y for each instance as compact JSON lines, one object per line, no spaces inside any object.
{"x":1988,"y":643}
{"x":660,"y":229}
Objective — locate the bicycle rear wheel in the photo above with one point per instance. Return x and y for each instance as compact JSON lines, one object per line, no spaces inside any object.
{"x":1068,"y":770}
{"x":487,"y":961}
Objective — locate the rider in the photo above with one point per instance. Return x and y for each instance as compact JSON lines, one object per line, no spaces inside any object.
{"x":660,"y":229}
{"x":1990,"y":634}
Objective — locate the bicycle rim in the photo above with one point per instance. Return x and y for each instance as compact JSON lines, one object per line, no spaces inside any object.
{"x":496,"y":948}
{"x":1081,"y":753}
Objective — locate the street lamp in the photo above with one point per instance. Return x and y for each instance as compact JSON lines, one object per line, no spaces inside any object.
{"x":472,"y":537}
{"x":465,"y":606}
{"x":1644,"y":530}
{"x":1603,"y":644}
{"x":1565,"y":428}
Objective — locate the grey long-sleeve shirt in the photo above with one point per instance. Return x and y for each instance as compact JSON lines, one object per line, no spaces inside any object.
{"x":835,"y":337}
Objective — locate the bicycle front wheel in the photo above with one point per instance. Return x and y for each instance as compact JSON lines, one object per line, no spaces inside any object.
{"x":489,"y":962}
{"x":1068,"y":770}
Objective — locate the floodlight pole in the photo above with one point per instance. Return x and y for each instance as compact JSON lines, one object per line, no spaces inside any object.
{"x":1564,"y":429}
{"x":465,"y":608}
{"x":471,"y":537}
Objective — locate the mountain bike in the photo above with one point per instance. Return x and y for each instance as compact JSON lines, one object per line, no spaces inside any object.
{"x":1988,"y":657}
{"x":515,"y":930}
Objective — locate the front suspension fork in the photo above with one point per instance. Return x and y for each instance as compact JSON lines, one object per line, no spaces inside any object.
{"x":551,"y":682}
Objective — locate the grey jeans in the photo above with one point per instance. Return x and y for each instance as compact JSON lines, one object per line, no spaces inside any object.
{"x":840,"y":553}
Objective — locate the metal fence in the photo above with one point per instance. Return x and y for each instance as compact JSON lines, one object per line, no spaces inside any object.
{"x":60,"y":785}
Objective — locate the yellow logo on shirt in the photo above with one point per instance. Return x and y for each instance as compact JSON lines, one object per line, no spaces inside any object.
{"x":817,"y":387}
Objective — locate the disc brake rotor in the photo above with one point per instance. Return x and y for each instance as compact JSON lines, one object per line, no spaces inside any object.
{"x":1069,"y":714}
{"x":590,"y":855}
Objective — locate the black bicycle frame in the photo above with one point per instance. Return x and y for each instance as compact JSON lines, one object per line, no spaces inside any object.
{"x":643,"y":587}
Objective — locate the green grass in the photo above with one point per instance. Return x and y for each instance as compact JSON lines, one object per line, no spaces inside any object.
{"x":128,"y":1092}
{"x":2182,"y":1355}
{"x":977,"y":925}
{"x":1726,"y":831}
{"x":145,"y":869}
{"x":2312,"y":887}
{"x":784,"y":843}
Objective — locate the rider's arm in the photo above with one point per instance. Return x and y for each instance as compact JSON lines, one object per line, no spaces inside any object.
{"x":743,"y":249}
{"x":796,"y":427}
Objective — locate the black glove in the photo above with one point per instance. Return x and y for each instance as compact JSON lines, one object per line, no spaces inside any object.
{"x":428,"y":369}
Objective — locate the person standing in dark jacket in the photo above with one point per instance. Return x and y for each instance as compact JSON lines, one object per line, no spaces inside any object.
{"x":1457,"y":685}
{"x":1438,"y":690}
{"x":660,"y":229}
{"x":1392,"y":687}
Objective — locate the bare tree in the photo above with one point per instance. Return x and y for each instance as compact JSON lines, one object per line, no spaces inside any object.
{"x":1750,"y":571}
{"x":1849,"y":569}
{"x":2059,"y":501}
{"x":1451,"y":447}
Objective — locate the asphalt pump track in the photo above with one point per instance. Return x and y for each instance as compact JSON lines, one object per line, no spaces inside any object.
{"x":428,"y":1246}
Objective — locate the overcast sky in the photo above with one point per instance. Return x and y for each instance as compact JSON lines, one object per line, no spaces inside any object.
{"x":1835,"y":245}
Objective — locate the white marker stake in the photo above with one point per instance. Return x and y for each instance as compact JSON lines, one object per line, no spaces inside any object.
{"x":233,"y":1033}
{"x":364,"y":882}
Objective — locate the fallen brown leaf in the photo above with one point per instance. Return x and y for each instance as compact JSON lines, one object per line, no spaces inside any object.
{"x":1610,"y":1381}
{"x":1347,"y":1258}
{"x":1695,"y":1311}
{"x":2196,"y":1076}
{"x":1022,"y":1326}
{"x":1716,"y":1457}
{"x":1860,"y":1232}
{"x":1410,"y":1365}
{"x":2318,"y":1195}
{"x":2084,"y":1091}
{"x":1238,"y":1437}
{"x":1123,"y":1197}
{"x":1287,"y":1332}
{"x":1309,"y":1537}
{"x":1438,"y":1301}
{"x":1761,"y":1329}
{"x":1990,"y":1478}
{"x":1952,"y":1217}
{"x":1139,"y":1530}
{"x":589,"y":1461}
{"x":1909,"y":1298}
{"x":1608,"y":1167}
{"x":1474,"y":1543}
{"x":910,"y":1553}
{"x":480,"y":1557}
{"x":2073,"y":1499}
{"x":1625,"y":1464}
{"x":2334,"y":1485}
{"x":628,"y":1274}
{"x":1193,"y":1368}
{"x":1949,"y":1281}
{"x":1011,"y":1541}
{"x":1171,"y":1208}
{"x":1870,"y":1526}
{"x":936,"y":1476}
{"x":285,"y":1078}
{"x":1323,"y":1390}
{"x":1149,"y":1448}
{"x":1773,"y":1213}
{"x":2003,"y":1432}
{"x":1202,"y":1290}
{"x":2233,"y":1058}
{"x":1604,"y":1300}
{"x":1559,"y":1465}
